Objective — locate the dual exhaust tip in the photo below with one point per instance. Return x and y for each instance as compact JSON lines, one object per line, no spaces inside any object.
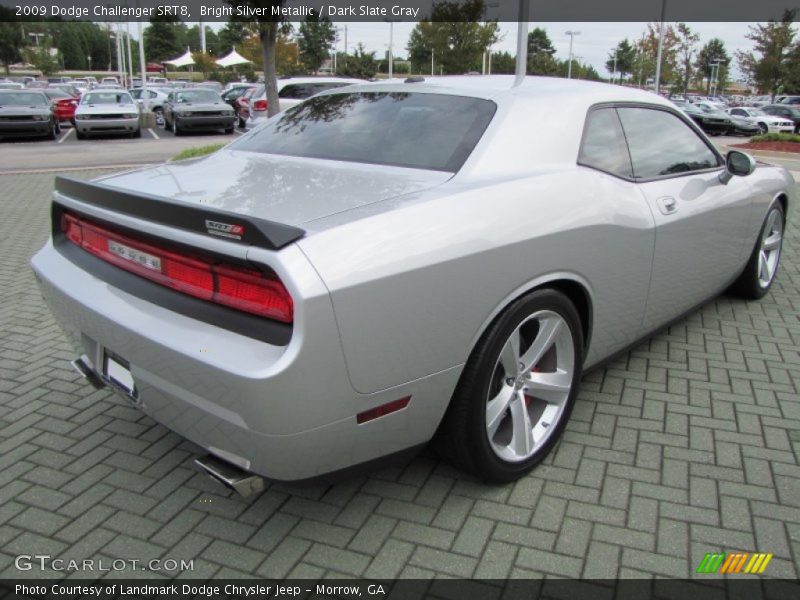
{"x":240,"y":481}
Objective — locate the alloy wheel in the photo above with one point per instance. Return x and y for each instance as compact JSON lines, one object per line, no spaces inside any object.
{"x":770,"y":252}
{"x":530,"y":386}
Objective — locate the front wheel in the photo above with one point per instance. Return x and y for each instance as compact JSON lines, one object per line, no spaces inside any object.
{"x":175,"y":129}
{"x":517,"y":390}
{"x":762,"y":127}
{"x":757,"y":277}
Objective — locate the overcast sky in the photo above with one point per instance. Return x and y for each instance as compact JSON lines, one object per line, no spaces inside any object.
{"x":593,"y":45}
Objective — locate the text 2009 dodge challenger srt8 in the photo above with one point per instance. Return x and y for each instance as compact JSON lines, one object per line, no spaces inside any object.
{"x":395,"y":262}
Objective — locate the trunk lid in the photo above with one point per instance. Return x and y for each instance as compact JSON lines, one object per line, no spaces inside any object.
{"x":282,"y":189}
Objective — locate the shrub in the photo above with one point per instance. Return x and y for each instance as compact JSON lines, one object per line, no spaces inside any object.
{"x":197,"y":151}
{"x":777,"y":137}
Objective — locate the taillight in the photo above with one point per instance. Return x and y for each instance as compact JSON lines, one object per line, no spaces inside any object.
{"x":240,"y":288}
{"x":260,"y":105}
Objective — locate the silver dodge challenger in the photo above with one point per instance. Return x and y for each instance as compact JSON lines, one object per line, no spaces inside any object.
{"x":392,"y":263}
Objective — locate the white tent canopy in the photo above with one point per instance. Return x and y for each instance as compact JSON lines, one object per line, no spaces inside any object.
{"x":181,"y":61}
{"x":233,"y":58}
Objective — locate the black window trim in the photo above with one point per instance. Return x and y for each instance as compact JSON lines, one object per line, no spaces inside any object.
{"x":626,"y":104}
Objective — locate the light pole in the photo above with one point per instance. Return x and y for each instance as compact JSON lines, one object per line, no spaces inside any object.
{"x":614,"y":74}
{"x":89,"y":58}
{"x":660,"y":46}
{"x":391,"y":56}
{"x":714,"y":76}
{"x":522,"y":42}
{"x":571,"y":35}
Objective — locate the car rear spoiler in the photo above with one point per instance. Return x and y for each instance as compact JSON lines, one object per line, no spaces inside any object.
{"x":182,"y":215}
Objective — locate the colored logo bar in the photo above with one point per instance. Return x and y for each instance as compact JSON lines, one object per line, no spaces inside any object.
{"x":734,"y":562}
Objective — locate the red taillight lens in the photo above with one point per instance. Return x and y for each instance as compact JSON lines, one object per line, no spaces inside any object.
{"x":260,"y":105}
{"x":241,"y":288}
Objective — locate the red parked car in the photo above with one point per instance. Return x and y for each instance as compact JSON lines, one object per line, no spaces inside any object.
{"x":64,"y":104}
{"x":242,"y":106}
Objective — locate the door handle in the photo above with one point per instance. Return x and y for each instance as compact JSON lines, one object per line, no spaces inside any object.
{"x":667,"y":205}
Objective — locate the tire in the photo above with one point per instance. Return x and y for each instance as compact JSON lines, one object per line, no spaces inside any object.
{"x":58,"y":127}
{"x":479,"y":437}
{"x":759,"y":274}
{"x":229,"y":131}
{"x":52,"y":134}
{"x":137,"y":133}
{"x":175,"y":129}
{"x":241,"y":122}
{"x":79,"y":135}
{"x":763,"y":128}
{"x":159,"y":114}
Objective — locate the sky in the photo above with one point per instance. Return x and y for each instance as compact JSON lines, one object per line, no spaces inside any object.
{"x":593,"y":45}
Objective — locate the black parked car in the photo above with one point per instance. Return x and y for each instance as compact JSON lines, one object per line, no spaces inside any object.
{"x":26,"y":113}
{"x":787,"y":111}
{"x":711,"y":121}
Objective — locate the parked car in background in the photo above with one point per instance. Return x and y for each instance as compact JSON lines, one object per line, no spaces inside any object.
{"x":64,"y":104}
{"x":210,"y":85}
{"x":37,"y":84}
{"x":65,"y":87}
{"x":109,"y":80}
{"x":232,"y":97}
{"x":788,"y":100}
{"x":104,"y":111}
{"x":711,"y":121}
{"x":292,"y":91}
{"x":86,"y":82}
{"x":740,"y":126}
{"x":62,"y":79}
{"x":154,"y":101}
{"x":785,"y":111}
{"x":196,"y":109}
{"x":424,"y":249}
{"x":25,"y":113}
{"x":242,"y":106}
{"x":11,"y":85}
{"x":765,"y":121}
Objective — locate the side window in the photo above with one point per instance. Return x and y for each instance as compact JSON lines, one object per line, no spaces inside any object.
{"x":603,"y":146}
{"x":292,"y":91}
{"x":661,"y":144}
{"x":738,"y":112}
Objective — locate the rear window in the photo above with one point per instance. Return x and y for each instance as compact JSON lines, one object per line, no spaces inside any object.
{"x":109,"y":97}
{"x":404,"y":129}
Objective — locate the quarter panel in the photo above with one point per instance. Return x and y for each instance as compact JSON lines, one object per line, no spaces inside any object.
{"x":413,"y":287}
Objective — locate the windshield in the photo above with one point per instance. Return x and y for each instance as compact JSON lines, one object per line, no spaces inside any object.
{"x":415,"y":130}
{"x":23,"y":99}
{"x":107,"y":97}
{"x":196,"y":95}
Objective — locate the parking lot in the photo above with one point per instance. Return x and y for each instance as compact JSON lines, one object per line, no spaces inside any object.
{"x":67,"y":152}
{"x":688,"y":444}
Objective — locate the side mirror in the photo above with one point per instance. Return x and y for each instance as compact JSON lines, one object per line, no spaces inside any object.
{"x":737,"y":163}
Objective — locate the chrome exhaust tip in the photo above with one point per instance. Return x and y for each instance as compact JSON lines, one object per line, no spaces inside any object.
{"x":240,"y":481}
{"x":84,"y":370}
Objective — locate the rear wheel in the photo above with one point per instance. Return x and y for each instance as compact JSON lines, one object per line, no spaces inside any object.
{"x":762,"y":127}
{"x":175,"y":129}
{"x":517,"y":390}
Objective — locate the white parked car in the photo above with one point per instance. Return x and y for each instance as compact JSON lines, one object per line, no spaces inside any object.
{"x":292,"y":91}
{"x":107,"y":111}
{"x":765,"y":122}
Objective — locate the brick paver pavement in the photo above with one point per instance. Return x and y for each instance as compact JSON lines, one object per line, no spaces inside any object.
{"x":688,"y":444}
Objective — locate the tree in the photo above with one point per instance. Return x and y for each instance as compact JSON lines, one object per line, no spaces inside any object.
{"x":233,"y":34}
{"x":43,"y":60}
{"x":268,"y":26}
{"x":316,"y":38}
{"x":12,"y":40}
{"x":712,"y":52}
{"x":212,"y":42}
{"x":647,"y":50}
{"x":541,"y":60}
{"x":504,"y":63}
{"x":454,"y":34}
{"x":163,"y":39}
{"x":360,"y":64}
{"x":767,"y":64}
{"x":539,"y":42}
{"x":686,"y":42}
{"x":71,"y":47}
{"x":621,"y":59}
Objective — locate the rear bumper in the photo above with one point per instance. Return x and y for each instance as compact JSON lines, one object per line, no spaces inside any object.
{"x":287,"y":413}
